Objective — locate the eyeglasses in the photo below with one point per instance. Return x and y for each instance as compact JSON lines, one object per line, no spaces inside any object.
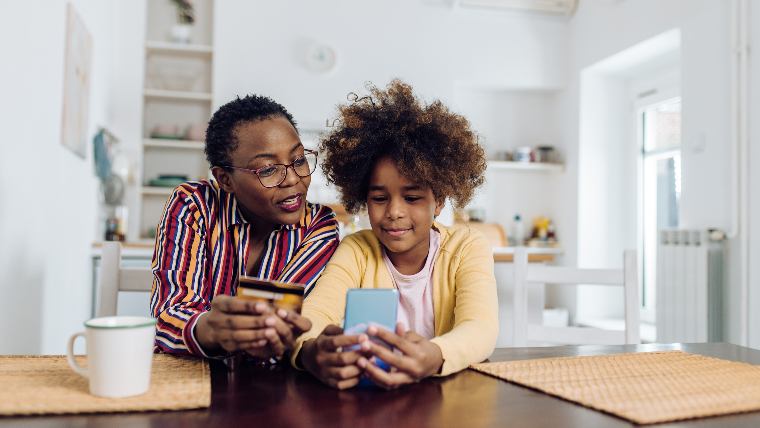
{"x":273,"y":175}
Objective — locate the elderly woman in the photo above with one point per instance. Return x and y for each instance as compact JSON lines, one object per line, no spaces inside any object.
{"x":251,"y":219}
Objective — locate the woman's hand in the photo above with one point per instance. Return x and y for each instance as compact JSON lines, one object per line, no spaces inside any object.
{"x":415,"y":357}
{"x":325,"y":359}
{"x":254,"y":327}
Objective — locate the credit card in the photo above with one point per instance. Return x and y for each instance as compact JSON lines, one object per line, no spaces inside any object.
{"x":285,"y":295}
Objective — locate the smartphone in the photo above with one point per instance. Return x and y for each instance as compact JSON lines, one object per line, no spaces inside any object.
{"x":278,"y":294}
{"x":370,"y":306}
{"x":367,"y":306}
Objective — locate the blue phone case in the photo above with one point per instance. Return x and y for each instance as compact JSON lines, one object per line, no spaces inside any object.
{"x":365,"y":307}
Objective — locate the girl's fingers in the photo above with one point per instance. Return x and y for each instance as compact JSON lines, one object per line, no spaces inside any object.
{"x":395,"y":340}
{"x":341,"y":359}
{"x":387,"y":380}
{"x":332,"y":343}
{"x":399,"y":361}
{"x":343,"y":373}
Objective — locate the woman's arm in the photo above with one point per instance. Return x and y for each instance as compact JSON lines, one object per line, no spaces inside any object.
{"x":179,"y":294}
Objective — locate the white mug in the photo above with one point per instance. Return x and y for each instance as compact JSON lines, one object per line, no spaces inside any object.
{"x":119,"y":355}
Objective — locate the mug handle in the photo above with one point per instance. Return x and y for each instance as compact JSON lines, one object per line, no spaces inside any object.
{"x":70,"y":355}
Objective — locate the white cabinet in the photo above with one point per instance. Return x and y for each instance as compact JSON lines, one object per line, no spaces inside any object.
{"x":177,"y":104}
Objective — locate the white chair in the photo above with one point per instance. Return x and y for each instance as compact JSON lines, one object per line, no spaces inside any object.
{"x":526,"y":274}
{"x":114,"y":278}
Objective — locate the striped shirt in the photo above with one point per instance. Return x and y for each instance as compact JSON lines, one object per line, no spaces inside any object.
{"x":202,"y":246}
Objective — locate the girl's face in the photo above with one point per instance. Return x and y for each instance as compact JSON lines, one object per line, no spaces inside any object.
{"x":400,"y":211}
{"x":262,"y":143}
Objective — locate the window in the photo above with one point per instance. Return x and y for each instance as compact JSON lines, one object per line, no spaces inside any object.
{"x":660,"y":141}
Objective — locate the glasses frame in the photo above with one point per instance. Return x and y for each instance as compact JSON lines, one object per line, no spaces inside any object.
{"x":282,"y":176}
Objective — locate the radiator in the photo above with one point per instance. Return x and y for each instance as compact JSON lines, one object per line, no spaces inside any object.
{"x":689,"y":286}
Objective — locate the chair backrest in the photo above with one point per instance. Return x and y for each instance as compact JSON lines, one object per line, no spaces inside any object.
{"x":114,"y":278}
{"x":526,"y":274}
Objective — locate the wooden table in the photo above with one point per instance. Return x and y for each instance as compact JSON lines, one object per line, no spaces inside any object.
{"x":281,"y":396}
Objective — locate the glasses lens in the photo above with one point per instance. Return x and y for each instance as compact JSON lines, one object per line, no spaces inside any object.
{"x":272,"y":176}
{"x":306,"y":165}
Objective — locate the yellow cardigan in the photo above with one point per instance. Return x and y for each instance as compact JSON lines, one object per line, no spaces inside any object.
{"x":465,"y":305}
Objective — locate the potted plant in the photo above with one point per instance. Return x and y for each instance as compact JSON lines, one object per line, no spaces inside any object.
{"x":181,"y":31}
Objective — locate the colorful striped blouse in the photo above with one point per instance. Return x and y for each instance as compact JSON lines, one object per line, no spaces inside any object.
{"x":202,"y":248}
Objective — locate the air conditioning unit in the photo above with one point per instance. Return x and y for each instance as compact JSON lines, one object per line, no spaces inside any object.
{"x":553,"y":7}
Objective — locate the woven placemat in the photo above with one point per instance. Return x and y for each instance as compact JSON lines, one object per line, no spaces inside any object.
{"x":644,"y":388}
{"x":35,"y":385}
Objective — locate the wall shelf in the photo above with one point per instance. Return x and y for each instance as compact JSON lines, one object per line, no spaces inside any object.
{"x":177,"y":95}
{"x":525,"y":166}
{"x":157,"y":191}
{"x":177,"y":48}
{"x":174,"y":144}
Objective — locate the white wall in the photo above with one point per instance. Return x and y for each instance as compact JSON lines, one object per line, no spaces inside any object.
{"x":259,"y":47}
{"x":50,"y":195}
{"x":602,"y":28}
{"x":754,"y":184}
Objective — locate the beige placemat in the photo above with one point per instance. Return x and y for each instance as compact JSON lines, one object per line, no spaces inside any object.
{"x":33,"y":385}
{"x":644,"y":388}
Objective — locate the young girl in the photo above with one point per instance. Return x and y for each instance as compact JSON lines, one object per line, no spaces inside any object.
{"x":402,"y":159}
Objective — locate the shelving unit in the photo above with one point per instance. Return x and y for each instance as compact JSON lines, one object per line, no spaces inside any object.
{"x":163,"y":94}
{"x":525,"y":166}
{"x":159,"y":47}
{"x":173,"y":144}
{"x":177,"y":98}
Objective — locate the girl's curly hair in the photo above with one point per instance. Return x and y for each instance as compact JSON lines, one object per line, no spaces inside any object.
{"x":430,"y":145}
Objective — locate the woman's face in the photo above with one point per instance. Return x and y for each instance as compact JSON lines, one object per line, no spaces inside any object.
{"x":262,"y":143}
{"x":400,"y":211}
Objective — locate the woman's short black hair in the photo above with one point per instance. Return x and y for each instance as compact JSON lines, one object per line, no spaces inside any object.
{"x":220,"y":134}
{"x":430,"y":145}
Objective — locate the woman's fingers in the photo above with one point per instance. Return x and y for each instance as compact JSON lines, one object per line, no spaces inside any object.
{"x":233,"y":305}
{"x":242,"y":336}
{"x":298,"y":323}
{"x":236,"y":322}
{"x":283,"y":330}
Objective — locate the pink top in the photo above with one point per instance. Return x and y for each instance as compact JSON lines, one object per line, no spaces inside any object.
{"x":415,"y":309}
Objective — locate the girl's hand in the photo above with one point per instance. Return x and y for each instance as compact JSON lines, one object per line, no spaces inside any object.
{"x":325,"y":359}
{"x":416,"y":357}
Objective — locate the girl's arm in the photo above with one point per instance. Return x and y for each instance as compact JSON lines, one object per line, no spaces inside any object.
{"x":476,"y":319}
{"x":326,"y":300}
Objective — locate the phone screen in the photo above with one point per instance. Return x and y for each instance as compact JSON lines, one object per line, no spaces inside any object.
{"x":376,"y":306}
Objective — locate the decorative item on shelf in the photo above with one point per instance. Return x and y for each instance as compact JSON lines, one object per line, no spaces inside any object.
{"x":173,"y":74}
{"x":167,"y":180}
{"x":518,"y":231}
{"x":523,"y":154}
{"x":195,"y":132}
{"x":166,"y":131}
{"x":113,"y":170}
{"x":181,"y":32}
{"x":543,"y":234}
{"x":544,"y":154}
